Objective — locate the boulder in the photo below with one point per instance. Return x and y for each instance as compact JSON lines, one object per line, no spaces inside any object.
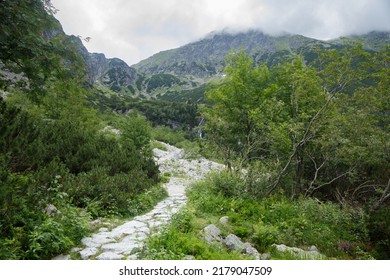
{"x":312,"y":248}
{"x":249,"y":250}
{"x":234,"y":243}
{"x":211,"y":234}
{"x":224,"y":220}
{"x":265,"y":256}
{"x":51,"y":210}
{"x":313,"y":254}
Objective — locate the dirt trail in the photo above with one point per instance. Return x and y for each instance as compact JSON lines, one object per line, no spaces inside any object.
{"x":122,"y":241}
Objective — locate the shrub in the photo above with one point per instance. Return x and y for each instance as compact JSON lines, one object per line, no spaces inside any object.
{"x":107,"y":195}
{"x":168,"y":135}
{"x":145,"y":201}
{"x":47,"y":239}
{"x":300,"y":222}
{"x":180,"y":239}
{"x":379,"y":231}
{"x":264,"y":236}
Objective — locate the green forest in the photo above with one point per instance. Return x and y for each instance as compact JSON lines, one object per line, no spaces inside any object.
{"x":59,"y":167}
{"x":305,"y":144}
{"x":306,"y":149}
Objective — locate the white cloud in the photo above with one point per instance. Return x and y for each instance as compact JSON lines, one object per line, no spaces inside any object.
{"x":135,"y":29}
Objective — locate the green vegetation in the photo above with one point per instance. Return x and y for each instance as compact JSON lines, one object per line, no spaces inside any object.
{"x":317,"y":131}
{"x":158,"y":112}
{"x":305,"y":140}
{"x":314,"y":132}
{"x":338,"y":232}
{"x":180,"y":239}
{"x":161,"y":80}
{"x":58,"y":167}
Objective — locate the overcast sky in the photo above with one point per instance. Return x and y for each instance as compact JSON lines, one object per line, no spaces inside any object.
{"x":136,"y":29}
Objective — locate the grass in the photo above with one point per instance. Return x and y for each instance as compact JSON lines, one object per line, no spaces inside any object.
{"x":181,"y":239}
{"x":338,"y":233}
{"x":158,"y":145}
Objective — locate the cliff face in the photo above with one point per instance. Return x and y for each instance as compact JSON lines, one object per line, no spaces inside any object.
{"x":113,"y":73}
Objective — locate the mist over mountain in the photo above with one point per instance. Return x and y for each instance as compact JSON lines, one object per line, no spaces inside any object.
{"x":182,"y":74}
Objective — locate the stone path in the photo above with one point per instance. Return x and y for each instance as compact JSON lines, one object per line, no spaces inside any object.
{"x":122,"y":242}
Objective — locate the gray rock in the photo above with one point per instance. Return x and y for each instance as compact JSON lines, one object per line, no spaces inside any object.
{"x":96,"y":240}
{"x":103,"y":229}
{"x":61,"y":258}
{"x":265,"y":256}
{"x":224,"y":220}
{"x":155,"y":224}
{"x":128,"y":228}
{"x":88,"y":252}
{"x":132,"y":257}
{"x":95,"y":223}
{"x":251,"y":251}
{"x":312,"y":248}
{"x":90,"y":242}
{"x":51,"y":210}
{"x":233,"y":243}
{"x":211,"y":234}
{"x":124,"y":240}
{"x":299,"y":253}
{"x":122,"y":247}
{"x":109,"y":256}
{"x":135,"y":238}
{"x":75,"y":250}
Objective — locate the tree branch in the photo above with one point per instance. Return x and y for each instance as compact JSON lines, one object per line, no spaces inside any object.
{"x":384,"y":197}
{"x":311,"y":188}
{"x":302,"y":142}
{"x":334,"y":179}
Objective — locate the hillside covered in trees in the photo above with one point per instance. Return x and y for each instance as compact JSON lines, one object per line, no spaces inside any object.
{"x":306,"y":148}
{"x":60,"y":163}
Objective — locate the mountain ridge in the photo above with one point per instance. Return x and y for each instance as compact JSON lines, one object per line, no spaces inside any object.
{"x":197,"y":63}
{"x":179,"y":74}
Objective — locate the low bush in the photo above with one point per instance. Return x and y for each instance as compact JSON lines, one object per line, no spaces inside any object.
{"x":338,"y":232}
{"x":168,"y":135}
{"x":66,"y":164}
{"x":379,"y":232}
{"x":180,"y":239}
{"x":145,"y":201}
{"x":27,"y":230}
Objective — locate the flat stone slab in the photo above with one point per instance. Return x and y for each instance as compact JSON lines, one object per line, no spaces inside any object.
{"x":61,"y":258}
{"x":88,"y":252}
{"x":97,"y":240}
{"x":122,"y":247}
{"x":109,"y":256}
{"x":128,"y":228}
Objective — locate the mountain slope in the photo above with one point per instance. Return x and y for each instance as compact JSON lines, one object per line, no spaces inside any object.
{"x":180,"y":74}
{"x":205,"y":57}
{"x":197,"y":63}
